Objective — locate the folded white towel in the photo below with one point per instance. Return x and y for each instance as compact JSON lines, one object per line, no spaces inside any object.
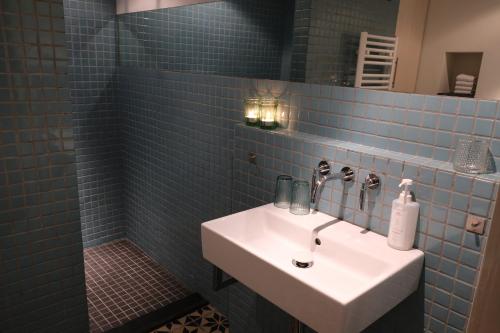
{"x":461,"y":87}
{"x":466,"y":92}
{"x":465,"y":77}
{"x":464,"y":83}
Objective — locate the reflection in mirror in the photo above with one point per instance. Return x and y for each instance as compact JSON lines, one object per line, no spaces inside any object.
{"x":243,"y":38}
{"x":306,"y":41}
{"x":447,"y":47}
{"x":327,"y":34}
{"x":461,"y":37}
{"x":132,"y":6}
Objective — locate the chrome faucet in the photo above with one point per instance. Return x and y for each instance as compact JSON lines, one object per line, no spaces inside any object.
{"x":322,"y":174}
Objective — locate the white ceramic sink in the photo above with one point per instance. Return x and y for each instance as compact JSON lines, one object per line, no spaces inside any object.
{"x":355,"y":279}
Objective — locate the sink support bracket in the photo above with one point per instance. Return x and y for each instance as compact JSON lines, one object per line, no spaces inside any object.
{"x":218,"y":281}
{"x":298,"y":326}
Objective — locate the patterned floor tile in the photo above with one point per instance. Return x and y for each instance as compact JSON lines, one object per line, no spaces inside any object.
{"x":204,"y":320}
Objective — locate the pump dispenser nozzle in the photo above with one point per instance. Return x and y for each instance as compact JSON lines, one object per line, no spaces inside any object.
{"x":406,"y":193}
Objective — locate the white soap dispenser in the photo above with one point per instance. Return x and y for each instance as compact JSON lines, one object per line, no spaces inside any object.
{"x":404,"y":218}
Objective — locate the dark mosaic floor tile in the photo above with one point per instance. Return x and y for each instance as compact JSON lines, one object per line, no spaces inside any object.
{"x":124,"y":284}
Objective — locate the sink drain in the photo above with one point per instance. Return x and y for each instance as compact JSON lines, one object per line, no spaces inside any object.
{"x":303,"y":260}
{"x":301,"y":264}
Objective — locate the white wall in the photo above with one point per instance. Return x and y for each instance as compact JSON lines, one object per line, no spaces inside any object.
{"x":131,"y":6}
{"x":461,"y":26}
{"x":410,"y":30}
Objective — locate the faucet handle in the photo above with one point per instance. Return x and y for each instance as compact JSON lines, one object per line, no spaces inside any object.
{"x":324,"y":168}
{"x":372,"y":182}
{"x":348,"y":174}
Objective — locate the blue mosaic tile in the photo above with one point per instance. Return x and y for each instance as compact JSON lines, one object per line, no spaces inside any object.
{"x":487,"y":109}
{"x":457,"y":321}
{"x":470,"y":258}
{"x":459,"y":305}
{"x":450,"y":105}
{"x":467,"y":107}
{"x":483,"y":127}
{"x":451,"y":251}
{"x":433,"y":103}
{"x":417,"y":102}
{"x":447,"y":123}
{"x":480,"y":207}
{"x":90,"y":40}
{"x":436,"y":325}
{"x":453,"y":235}
{"x":463,"y":184}
{"x":483,"y":189}
{"x":42,"y":271}
{"x":445,"y":282}
{"x":496,"y":133}
{"x":466,"y":274}
{"x":444,"y":180}
{"x":439,"y":312}
{"x":457,"y":218}
{"x":465,"y":125}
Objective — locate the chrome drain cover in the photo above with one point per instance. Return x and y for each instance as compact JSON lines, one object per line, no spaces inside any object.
{"x":302,"y":264}
{"x":303,"y":259}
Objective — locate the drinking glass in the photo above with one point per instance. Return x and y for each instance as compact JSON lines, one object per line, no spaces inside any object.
{"x":301,"y":198}
{"x":283,"y":191}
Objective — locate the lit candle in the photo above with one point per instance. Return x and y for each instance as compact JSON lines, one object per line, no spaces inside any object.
{"x":268,"y":110}
{"x":268,"y":119}
{"x":252,"y":111}
{"x":252,"y":116}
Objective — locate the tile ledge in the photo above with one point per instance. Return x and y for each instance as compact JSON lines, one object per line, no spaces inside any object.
{"x":389,"y":154}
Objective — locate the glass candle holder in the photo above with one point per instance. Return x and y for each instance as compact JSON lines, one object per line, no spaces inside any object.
{"x":471,"y":155}
{"x":268,"y":113}
{"x":252,"y":111}
{"x":283,"y":116}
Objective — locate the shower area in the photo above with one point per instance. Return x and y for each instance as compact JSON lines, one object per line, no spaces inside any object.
{"x":154,"y":151}
{"x":131,"y":284}
{"x":155,"y":98}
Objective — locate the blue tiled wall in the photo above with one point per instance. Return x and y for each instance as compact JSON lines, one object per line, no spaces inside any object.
{"x":424,"y":126}
{"x":42,"y":284}
{"x":301,"y":27}
{"x":91,"y":43}
{"x":231,"y":37}
{"x":180,"y":131}
{"x":178,"y":154}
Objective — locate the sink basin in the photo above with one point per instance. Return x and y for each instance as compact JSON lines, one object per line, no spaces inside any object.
{"x":355,"y":277}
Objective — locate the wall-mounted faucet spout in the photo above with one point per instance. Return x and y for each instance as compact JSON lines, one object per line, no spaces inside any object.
{"x":321,"y":175}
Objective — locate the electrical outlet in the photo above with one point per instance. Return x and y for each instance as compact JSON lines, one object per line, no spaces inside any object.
{"x":475,"y":224}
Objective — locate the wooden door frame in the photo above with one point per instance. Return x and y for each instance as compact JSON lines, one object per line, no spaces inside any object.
{"x":485,"y":314}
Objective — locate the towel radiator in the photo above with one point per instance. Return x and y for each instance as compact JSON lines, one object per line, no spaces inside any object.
{"x":377,"y":59}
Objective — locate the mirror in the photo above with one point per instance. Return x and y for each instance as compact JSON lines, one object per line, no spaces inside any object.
{"x":448,"y":47}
